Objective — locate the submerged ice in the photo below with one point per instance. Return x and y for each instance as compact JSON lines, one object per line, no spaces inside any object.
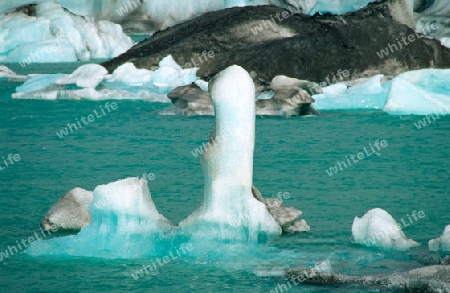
{"x":377,"y":228}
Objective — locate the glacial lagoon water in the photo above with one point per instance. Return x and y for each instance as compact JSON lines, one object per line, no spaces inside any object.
{"x":292,"y":155}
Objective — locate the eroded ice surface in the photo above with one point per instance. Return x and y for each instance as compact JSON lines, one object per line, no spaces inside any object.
{"x":125,"y":224}
{"x":57,"y":35}
{"x":377,"y":228}
{"x":419,"y":92}
{"x":441,"y":243}
{"x":229,"y":210}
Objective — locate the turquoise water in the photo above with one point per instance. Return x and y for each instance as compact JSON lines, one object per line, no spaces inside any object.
{"x":291,"y":155}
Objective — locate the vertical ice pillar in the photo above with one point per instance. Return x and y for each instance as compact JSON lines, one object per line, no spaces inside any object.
{"x":229,"y":210}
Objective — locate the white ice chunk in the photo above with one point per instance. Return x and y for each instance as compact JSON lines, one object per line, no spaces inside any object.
{"x":202,"y":84}
{"x":170,"y":75}
{"x":377,"y":228}
{"x":125,"y":224}
{"x":127,"y":73}
{"x":420,"y":92}
{"x":47,"y":51}
{"x":229,"y":211}
{"x":369,"y":94}
{"x":333,"y":91}
{"x":39,"y":82}
{"x":86,"y":76}
{"x":126,"y":82}
{"x":441,"y":243}
{"x":445,"y":42}
{"x":5,"y":72}
{"x":55,"y":32}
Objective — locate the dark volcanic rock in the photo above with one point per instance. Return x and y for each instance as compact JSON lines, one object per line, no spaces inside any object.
{"x":191,"y":100}
{"x":287,"y":99}
{"x":286,"y":217}
{"x":299,"y":46}
{"x":426,"y":279}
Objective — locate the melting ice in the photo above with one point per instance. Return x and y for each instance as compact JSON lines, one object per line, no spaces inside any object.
{"x":377,"y":228}
{"x":125,"y":221}
{"x":91,"y":81}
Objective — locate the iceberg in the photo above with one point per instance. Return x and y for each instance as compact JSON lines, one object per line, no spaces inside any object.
{"x":86,"y":76}
{"x":378,"y":229}
{"x":419,"y":92}
{"x":152,"y":15}
{"x":229,"y":210}
{"x":364,"y":94}
{"x":46,"y":32}
{"x":92,"y":82}
{"x":441,"y":243}
{"x":125,"y":224}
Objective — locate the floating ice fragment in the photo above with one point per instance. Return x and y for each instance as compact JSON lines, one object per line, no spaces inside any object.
{"x":378,"y":229}
{"x":442,"y":242}
{"x":85,"y":76}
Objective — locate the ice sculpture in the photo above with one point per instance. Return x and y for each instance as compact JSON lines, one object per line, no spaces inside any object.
{"x":229,"y":210}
